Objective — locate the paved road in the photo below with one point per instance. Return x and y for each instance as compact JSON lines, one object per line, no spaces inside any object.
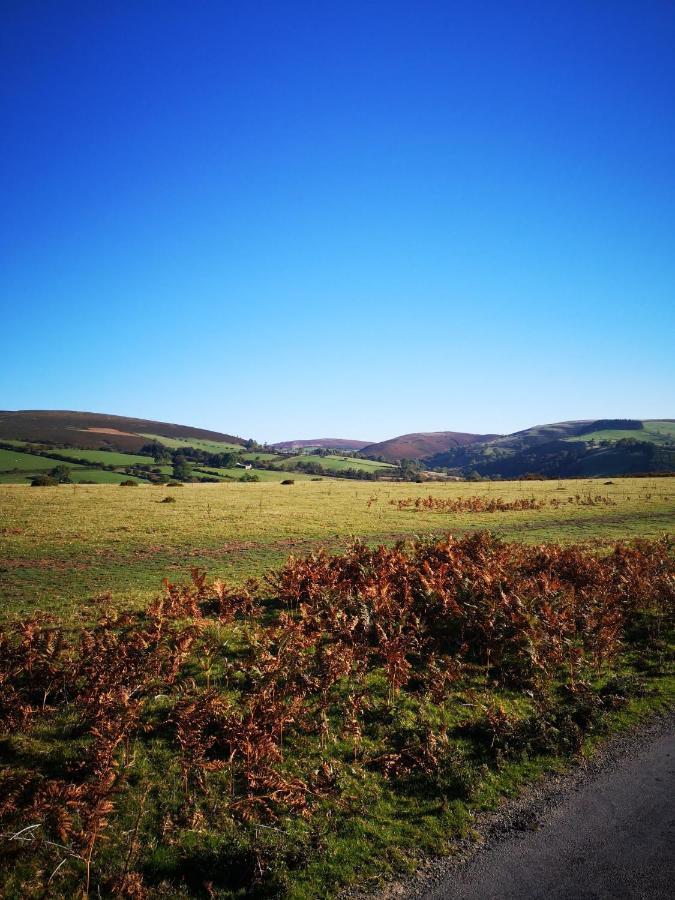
{"x":612,"y":837}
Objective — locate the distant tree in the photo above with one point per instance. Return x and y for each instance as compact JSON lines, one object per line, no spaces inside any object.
{"x":158,"y":451}
{"x":221,"y":460}
{"x":182,"y":471}
{"x":474,"y":476}
{"x":310,"y":467}
{"x":410,"y":469}
{"x":61,"y":474}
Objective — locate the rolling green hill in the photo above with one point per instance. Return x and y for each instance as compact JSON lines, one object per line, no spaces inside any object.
{"x":660,"y":432}
{"x":180,"y":443}
{"x":564,"y":449}
{"x":102,"y":448}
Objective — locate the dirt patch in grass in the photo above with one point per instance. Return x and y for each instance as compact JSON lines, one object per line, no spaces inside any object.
{"x":45,"y":563}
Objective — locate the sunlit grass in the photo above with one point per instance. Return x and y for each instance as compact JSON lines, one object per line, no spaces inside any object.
{"x":78,"y":541}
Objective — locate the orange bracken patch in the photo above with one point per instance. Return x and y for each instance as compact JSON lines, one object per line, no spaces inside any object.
{"x":109,"y":431}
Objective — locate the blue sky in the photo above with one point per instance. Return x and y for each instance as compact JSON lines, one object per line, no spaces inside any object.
{"x":354,"y":220}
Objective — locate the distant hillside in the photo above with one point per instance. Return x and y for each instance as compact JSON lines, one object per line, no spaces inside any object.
{"x":575,"y":448}
{"x":325,"y":443}
{"x":96,"y":430}
{"x":582,"y":447}
{"x":422,"y":445}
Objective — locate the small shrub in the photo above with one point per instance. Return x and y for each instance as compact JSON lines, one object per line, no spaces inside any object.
{"x":61,"y":474}
{"x":128,"y":483}
{"x":288,"y":481}
{"x":620,"y":688}
{"x":43,"y":481}
{"x":174,"y":484}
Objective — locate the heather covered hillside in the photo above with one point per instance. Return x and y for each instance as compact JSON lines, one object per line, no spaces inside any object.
{"x":96,"y":430}
{"x":421,"y":445}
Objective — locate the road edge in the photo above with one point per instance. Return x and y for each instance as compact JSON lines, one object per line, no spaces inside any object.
{"x":527,"y":811}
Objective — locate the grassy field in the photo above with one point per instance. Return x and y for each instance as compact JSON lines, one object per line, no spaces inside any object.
{"x":79,"y":541}
{"x":236,"y":472}
{"x":658,"y":432}
{"x":275,"y":764}
{"x":107,"y":457}
{"x":30,"y":463}
{"x":332,"y":725}
{"x":27,"y":462}
{"x":101,"y":476}
{"x":335,"y":463}
{"x":77,"y":475}
{"x":197,"y":443}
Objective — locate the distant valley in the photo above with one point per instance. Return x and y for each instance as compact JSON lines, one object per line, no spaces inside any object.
{"x":578,"y":448}
{"x":38,"y":445}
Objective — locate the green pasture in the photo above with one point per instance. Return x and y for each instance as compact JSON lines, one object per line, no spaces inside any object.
{"x":101,"y":476}
{"x":197,"y":443}
{"x":27,"y":462}
{"x":261,"y":456}
{"x":75,"y":543}
{"x":656,"y":432}
{"x":77,"y":475}
{"x":107,"y":457}
{"x":335,"y":463}
{"x":16,"y":477}
{"x":270,"y":475}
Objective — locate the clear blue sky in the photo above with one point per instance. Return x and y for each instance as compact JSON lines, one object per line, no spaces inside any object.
{"x":339,"y":219}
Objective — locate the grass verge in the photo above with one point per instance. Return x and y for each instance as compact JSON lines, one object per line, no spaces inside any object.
{"x":331,"y":726}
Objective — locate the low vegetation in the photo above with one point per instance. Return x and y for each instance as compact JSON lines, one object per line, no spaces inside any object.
{"x":281,"y":737}
{"x":497,"y":504}
{"x":299,"y":723}
{"x":74,"y":543}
